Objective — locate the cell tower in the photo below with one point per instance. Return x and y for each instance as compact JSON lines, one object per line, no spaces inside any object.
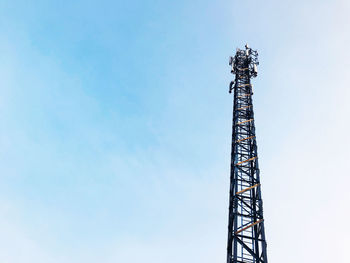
{"x":246,"y":234}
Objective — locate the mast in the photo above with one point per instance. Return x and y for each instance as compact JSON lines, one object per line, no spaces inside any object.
{"x":246,"y":233}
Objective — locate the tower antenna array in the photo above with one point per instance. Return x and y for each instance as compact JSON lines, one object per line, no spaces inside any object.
{"x":246,"y":233}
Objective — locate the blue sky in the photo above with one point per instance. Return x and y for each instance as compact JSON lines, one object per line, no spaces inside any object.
{"x":115,"y":126}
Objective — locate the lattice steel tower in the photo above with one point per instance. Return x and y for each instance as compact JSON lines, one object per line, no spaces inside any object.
{"x":246,"y":234}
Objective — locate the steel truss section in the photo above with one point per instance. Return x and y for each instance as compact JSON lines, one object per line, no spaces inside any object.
{"x":246,"y":234}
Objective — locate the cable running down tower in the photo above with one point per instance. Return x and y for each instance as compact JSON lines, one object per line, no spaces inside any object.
{"x":246,"y":233}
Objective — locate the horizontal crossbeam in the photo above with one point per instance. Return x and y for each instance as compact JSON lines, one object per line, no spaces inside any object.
{"x":245,"y":228}
{"x":241,"y":140}
{"x":244,"y":121}
{"x":247,"y":189}
{"x":251,"y":159}
{"x":246,"y":107}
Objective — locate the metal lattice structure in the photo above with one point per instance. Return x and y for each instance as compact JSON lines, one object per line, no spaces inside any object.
{"x":246,"y":234}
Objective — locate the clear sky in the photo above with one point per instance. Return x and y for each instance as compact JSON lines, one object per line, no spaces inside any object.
{"x":115,"y":128}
